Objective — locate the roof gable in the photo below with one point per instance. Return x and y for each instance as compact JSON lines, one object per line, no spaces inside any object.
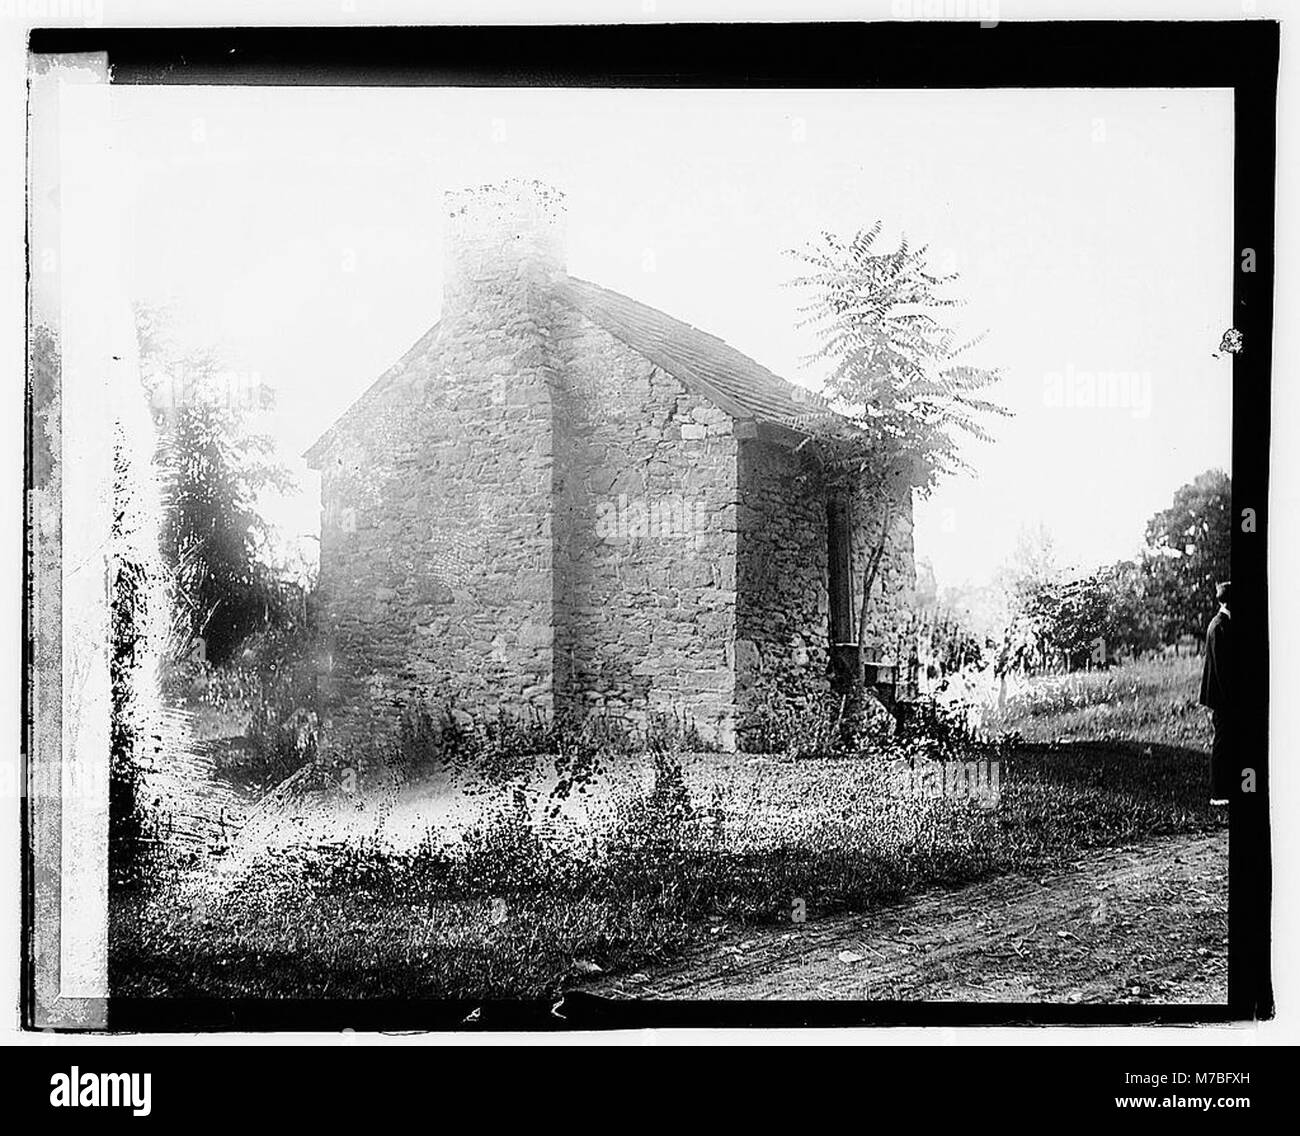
{"x":702,"y":362}
{"x":317,"y":449}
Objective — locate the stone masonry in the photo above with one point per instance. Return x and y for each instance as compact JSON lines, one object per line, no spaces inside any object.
{"x":783,"y":603}
{"x":562,"y":501}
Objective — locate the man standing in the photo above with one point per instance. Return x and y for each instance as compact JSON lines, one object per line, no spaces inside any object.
{"x":1217,"y":687}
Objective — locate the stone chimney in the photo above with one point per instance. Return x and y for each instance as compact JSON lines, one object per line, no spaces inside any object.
{"x":504,"y":241}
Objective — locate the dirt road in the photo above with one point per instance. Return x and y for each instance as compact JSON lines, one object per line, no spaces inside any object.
{"x":1141,"y":924}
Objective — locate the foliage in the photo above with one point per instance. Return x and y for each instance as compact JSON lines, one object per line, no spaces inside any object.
{"x":212,"y":467}
{"x":1068,"y":618}
{"x":286,"y":707}
{"x":514,"y":914}
{"x":1091,"y":620}
{"x":498,"y":747}
{"x":945,"y":640}
{"x":129,"y":827}
{"x":899,"y":399}
{"x":1153,"y":701}
{"x":282,"y":737}
{"x":1133,"y":606}
{"x":211,"y":472}
{"x":829,"y":730}
{"x":895,"y":372}
{"x":944,"y":731}
{"x":264,"y":705}
{"x":1189,"y":552}
{"x":1133,"y":616}
{"x":1034,"y":565}
{"x":831,"y":726}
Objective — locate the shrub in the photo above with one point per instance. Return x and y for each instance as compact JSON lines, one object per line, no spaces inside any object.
{"x":508,"y":911}
{"x":265,"y":704}
{"x":827,"y":727}
{"x":945,"y":731}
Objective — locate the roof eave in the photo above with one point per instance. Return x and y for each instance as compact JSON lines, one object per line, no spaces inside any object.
{"x":314,"y":453}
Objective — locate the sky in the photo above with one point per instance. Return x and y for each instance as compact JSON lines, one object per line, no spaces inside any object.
{"x":299,"y":232}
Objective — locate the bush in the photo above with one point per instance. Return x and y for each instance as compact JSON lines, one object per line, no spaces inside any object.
{"x":265,"y":705}
{"x":512,"y":910}
{"x":828,"y":727}
{"x":946,"y":731}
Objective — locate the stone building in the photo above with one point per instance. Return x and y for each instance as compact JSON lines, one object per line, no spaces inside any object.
{"x":562,"y":499}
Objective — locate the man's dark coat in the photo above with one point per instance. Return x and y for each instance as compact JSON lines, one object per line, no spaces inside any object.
{"x":1216,"y":674}
{"x":1217,"y":687}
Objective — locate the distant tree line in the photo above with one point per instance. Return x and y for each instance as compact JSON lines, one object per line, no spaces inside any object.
{"x":1134,"y":606}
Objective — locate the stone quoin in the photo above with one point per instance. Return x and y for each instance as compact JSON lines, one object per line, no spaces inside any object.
{"x":561,"y":500}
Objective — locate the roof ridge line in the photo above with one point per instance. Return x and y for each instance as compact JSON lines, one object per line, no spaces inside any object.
{"x":761,"y":393}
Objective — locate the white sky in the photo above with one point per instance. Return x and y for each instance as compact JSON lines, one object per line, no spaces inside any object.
{"x":300,"y":229}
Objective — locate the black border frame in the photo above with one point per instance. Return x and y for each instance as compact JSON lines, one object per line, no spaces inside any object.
{"x":1242,"y":55}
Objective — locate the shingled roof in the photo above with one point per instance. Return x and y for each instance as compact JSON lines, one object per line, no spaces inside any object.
{"x":703,"y":363}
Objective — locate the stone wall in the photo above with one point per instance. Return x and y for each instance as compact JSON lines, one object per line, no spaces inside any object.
{"x":526,"y":514}
{"x":645,"y":540}
{"x":782,"y":612}
{"x":893,"y":593}
{"x":783,"y":601}
{"x":554,"y":537}
{"x":582,"y":535}
{"x":437,"y":543}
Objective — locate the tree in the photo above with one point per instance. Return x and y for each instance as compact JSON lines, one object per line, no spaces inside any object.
{"x":128,"y":819}
{"x":1134,"y":623}
{"x":1029,"y":582}
{"x":1189,"y":551}
{"x":211,"y":531}
{"x":211,"y":469}
{"x":1032,"y":566}
{"x":1062,"y":619}
{"x":899,"y":400}
{"x":1071,"y":617}
{"x":945,"y":642}
{"x":982,"y":608}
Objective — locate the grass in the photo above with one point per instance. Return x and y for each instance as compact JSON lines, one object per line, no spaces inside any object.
{"x":1153,"y":701}
{"x":511,"y":912}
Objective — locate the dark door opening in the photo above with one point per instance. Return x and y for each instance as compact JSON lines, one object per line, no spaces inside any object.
{"x":840,"y":578}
